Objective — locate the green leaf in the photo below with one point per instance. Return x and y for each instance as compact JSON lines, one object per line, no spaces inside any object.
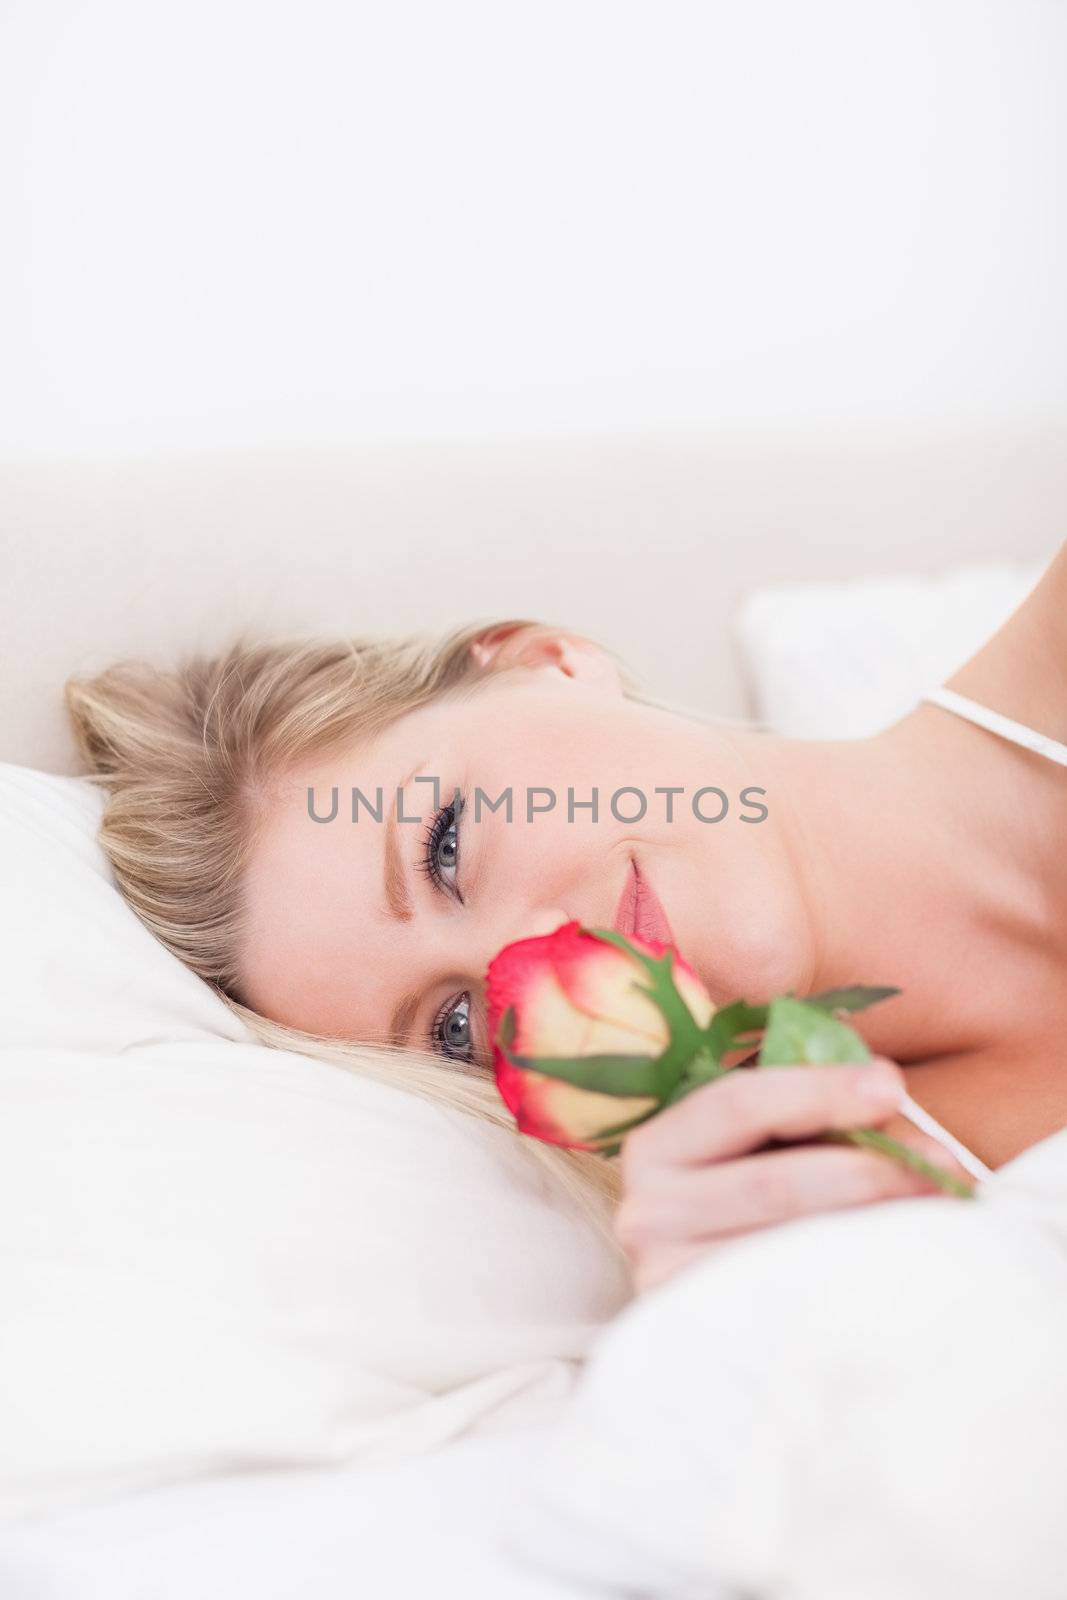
{"x":604,"y":1074}
{"x":799,"y":1033}
{"x":609,"y":1074}
{"x":731,"y":1024}
{"x":857,"y":997}
{"x":686,"y":1036}
{"x":874,"y":1139}
{"x":705,"y":1067}
{"x":625,"y":1127}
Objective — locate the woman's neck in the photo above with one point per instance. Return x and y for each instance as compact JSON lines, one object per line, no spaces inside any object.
{"x":923,"y":859}
{"x":933,"y":857}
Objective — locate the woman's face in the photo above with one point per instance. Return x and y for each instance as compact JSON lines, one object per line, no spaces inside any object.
{"x":382,"y":931}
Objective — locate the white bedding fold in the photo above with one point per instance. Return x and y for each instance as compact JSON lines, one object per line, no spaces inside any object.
{"x":870,"y":1403}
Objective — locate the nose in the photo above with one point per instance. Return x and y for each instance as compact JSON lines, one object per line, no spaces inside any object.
{"x":535,"y":924}
{"x":532,"y":923}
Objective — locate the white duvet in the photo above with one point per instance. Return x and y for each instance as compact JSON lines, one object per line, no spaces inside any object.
{"x":419,"y":1529}
{"x":865,"y":1406}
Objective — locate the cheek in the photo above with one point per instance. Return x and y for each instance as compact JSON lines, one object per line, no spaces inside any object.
{"x":575,"y":868}
{"x":737,"y":917}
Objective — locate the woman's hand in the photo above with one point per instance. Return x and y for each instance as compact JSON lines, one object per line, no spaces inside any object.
{"x":699,"y":1173}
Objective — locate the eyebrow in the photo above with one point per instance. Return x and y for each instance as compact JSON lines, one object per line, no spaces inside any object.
{"x":403,"y":1017}
{"x":398,"y":899}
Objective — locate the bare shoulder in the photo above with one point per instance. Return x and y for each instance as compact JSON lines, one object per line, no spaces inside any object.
{"x":1001,"y":1100}
{"x":1049,"y":598}
{"x":1022,"y":670}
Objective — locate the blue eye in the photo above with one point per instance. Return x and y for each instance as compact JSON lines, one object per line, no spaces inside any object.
{"x":451,"y":1034}
{"x":440,"y":854}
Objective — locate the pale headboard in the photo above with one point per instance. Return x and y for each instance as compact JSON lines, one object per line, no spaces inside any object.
{"x":645,"y":543}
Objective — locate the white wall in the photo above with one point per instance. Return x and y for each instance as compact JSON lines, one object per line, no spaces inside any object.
{"x":233,"y":223}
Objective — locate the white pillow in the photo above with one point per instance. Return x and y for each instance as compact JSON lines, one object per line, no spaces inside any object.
{"x":844,"y":660}
{"x":214,"y":1254}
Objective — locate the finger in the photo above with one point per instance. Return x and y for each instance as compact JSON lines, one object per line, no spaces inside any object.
{"x":656,"y":1251}
{"x":735,"y":1197}
{"x":748,"y":1107}
{"x":899,"y":1127}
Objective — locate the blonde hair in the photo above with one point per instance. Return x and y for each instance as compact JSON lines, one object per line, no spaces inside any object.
{"x":187,"y":756}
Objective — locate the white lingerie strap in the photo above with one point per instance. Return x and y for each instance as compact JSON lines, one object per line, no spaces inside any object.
{"x":1017,"y":732}
{"x":928,"y":1124}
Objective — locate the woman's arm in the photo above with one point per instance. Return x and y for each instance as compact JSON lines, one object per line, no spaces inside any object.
{"x":724,"y":1161}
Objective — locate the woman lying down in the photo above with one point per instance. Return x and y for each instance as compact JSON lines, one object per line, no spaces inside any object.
{"x":859,"y":1404}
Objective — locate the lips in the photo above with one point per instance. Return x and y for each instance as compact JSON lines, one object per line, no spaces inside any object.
{"x":639,"y":914}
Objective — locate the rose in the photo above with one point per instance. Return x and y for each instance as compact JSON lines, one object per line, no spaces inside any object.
{"x":583,"y":997}
{"x":594,"y":1032}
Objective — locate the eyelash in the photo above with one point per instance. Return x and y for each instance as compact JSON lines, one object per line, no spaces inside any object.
{"x":439,"y":825}
{"x":446,"y":818}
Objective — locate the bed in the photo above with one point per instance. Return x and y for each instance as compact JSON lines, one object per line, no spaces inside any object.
{"x":198,"y":1403}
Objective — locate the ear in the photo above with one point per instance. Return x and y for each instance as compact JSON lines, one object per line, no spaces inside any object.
{"x":527,"y":644}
